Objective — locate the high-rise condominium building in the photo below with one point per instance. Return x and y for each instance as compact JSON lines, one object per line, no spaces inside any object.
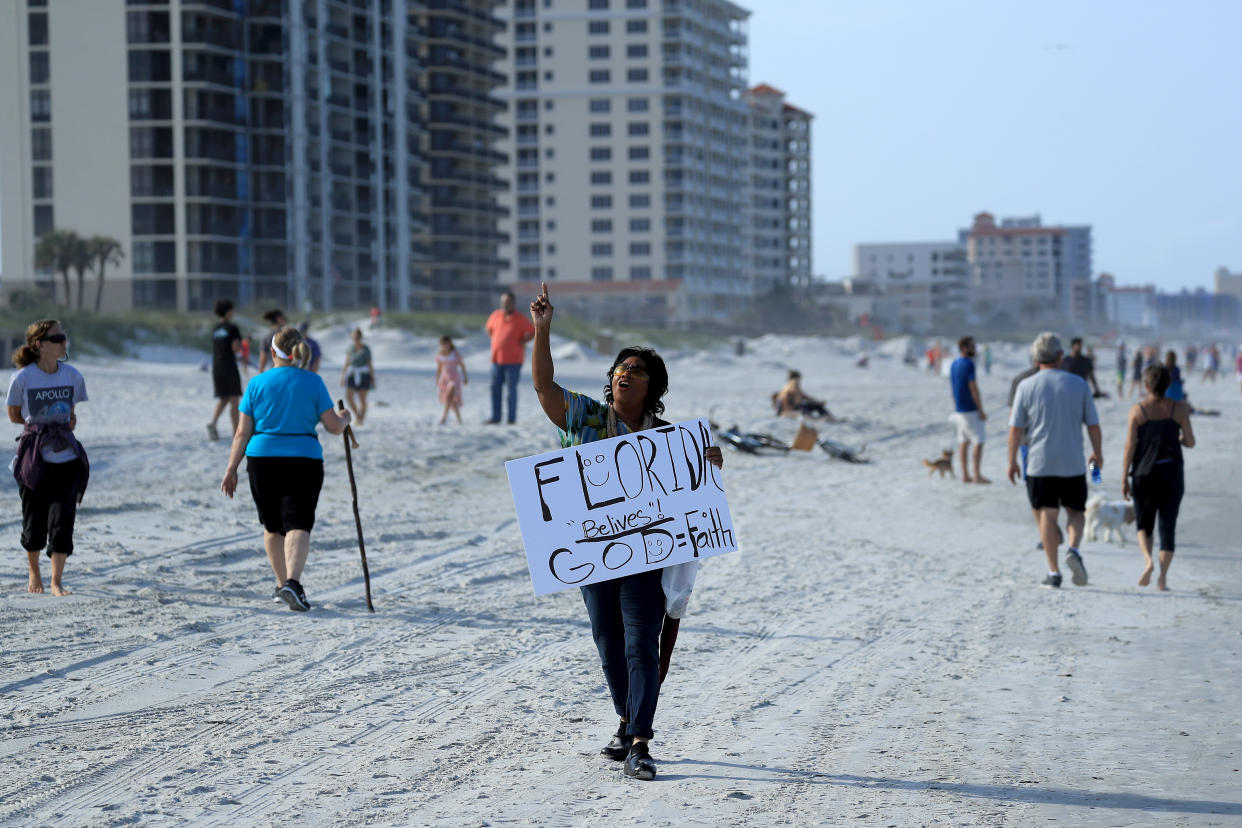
{"x":275,"y":151}
{"x":780,"y":189}
{"x":630,"y":155}
{"x":1023,"y":265}
{"x":920,"y":286}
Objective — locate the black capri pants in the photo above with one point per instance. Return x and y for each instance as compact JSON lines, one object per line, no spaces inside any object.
{"x":49,"y":509}
{"x":286,"y":491}
{"x":1157,"y":499}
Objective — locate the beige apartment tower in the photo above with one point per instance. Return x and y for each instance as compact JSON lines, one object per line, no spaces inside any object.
{"x":629,"y":153}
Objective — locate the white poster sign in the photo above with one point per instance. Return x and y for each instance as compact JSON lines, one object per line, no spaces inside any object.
{"x":620,"y":506}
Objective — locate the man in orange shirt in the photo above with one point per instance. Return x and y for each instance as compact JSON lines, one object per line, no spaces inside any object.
{"x":510,"y":331}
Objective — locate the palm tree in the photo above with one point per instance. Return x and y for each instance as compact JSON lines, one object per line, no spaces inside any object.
{"x":57,"y":250}
{"x":81,"y":263}
{"x":104,"y":251}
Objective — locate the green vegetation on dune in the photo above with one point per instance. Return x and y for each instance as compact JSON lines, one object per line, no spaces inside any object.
{"x":110,"y":333}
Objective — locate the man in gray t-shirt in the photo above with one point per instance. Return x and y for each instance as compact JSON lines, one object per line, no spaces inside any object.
{"x":1049,"y":411}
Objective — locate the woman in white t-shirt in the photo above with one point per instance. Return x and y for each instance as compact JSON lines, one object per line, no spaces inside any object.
{"x":51,"y":467}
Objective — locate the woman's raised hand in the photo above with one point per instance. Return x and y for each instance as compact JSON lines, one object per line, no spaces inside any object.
{"x":541,"y":308}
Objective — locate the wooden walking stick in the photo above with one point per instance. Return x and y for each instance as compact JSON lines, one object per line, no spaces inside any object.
{"x":353,"y":488}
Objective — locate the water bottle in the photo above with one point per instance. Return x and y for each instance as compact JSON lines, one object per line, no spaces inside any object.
{"x":1096,"y":477}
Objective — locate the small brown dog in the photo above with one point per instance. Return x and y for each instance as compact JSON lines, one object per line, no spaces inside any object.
{"x":944,"y":464}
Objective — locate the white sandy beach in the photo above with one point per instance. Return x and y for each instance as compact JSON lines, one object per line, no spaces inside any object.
{"x":878,"y":652}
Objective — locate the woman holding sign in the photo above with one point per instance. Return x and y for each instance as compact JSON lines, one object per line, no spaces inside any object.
{"x":626,"y":613}
{"x":276,"y":434}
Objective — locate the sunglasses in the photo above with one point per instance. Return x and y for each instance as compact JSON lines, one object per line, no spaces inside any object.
{"x":635,"y":371}
{"x":57,"y":338}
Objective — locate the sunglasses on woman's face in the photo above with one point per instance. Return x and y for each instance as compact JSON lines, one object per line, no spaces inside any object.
{"x":59,"y":339}
{"x":635,"y":371}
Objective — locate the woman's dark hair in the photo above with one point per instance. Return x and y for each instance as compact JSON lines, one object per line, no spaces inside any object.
{"x":1157,"y":377}
{"x":28,"y":354}
{"x":657,"y":383}
{"x":1170,"y":358}
{"x":273,"y":316}
{"x":222,"y":307}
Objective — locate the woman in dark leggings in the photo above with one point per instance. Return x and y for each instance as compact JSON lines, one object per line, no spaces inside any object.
{"x":1158,"y":429}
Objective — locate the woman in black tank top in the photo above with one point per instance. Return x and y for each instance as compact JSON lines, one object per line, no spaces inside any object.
{"x":1159,"y":429}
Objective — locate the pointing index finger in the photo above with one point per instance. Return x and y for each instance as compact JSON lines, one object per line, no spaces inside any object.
{"x":544,"y":294}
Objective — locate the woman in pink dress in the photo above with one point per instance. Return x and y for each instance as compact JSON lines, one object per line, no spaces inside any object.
{"x":450,"y":377}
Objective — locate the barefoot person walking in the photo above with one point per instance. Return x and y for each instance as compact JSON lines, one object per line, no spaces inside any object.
{"x":51,"y":466}
{"x":358,"y":375}
{"x":1159,"y":427}
{"x":968,"y":418}
{"x":1051,"y":408}
{"x":284,"y":460}
{"x":626,"y":613}
{"x":226,"y":343}
{"x":450,"y":377}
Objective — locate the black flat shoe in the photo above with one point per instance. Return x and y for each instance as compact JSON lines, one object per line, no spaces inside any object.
{"x":639,"y":763}
{"x":619,"y":746}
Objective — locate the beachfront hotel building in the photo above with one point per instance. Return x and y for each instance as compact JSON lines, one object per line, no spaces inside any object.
{"x":307,"y":153}
{"x":780,"y":190}
{"x":629,"y":153}
{"x":919,"y":287}
{"x":1021,"y":266}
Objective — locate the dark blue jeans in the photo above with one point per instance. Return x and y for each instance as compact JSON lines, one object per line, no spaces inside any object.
{"x":626,"y":617}
{"x":500,"y":375}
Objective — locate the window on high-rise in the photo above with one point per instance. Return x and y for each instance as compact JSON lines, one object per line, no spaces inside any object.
{"x":636,"y":26}
{"x":600,"y":76}
{"x":640,"y":153}
{"x":636,"y":50}
{"x":640,"y":200}
{"x":636,"y":75}
{"x":640,"y":248}
{"x":640,"y":177}
{"x":637,"y":104}
{"x":636,"y":4}
{"x":38,"y":28}
{"x":601,"y":249}
{"x":597,"y":5}
{"x":598,"y":52}
{"x":147,"y":65}
{"x":601,"y":177}
{"x":43,"y":219}
{"x":42,"y":182}
{"x":601,"y":153}
{"x":601,"y":130}
{"x":600,"y":105}
{"x":601,"y":225}
{"x":640,"y":273}
{"x":39,"y":69}
{"x":601,"y":274}
{"x":601,"y":202}
{"x":146,"y":27}
{"x":41,"y":144}
{"x":40,"y":105}
{"x":639,"y":128}
{"x":597,"y":27}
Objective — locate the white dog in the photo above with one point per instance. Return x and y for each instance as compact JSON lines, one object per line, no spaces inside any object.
{"x":1109,"y":515}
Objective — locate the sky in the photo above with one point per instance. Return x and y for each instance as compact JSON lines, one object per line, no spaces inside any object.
{"x":1126,"y":116}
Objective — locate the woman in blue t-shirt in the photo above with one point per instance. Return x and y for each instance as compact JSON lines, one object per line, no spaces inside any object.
{"x":284,"y":460}
{"x":627,"y":614}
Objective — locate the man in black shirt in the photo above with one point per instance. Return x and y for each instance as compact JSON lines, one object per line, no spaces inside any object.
{"x":1078,"y":363}
{"x":225,"y":345}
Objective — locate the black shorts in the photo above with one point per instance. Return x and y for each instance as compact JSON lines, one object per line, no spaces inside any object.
{"x":226,"y":381}
{"x":48,"y":510}
{"x":1054,"y":492}
{"x":361,"y":382}
{"x":286,"y":491}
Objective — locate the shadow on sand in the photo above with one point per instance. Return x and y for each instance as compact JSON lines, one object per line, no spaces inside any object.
{"x":1034,"y":793}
